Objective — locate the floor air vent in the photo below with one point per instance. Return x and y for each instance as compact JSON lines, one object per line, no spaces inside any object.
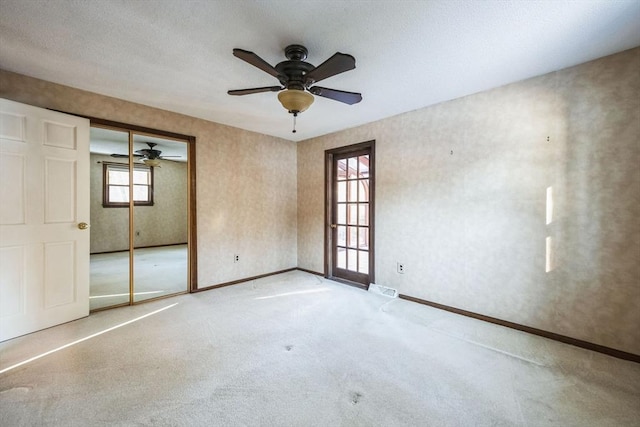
{"x":383,"y":290}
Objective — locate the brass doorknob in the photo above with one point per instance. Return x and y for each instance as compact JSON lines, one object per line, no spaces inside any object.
{"x":83,"y":226}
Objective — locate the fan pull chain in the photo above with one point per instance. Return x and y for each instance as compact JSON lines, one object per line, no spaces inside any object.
{"x":294,"y":122}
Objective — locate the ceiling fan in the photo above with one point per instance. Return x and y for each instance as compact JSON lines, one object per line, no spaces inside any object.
{"x":297,"y":78}
{"x":149,"y":156}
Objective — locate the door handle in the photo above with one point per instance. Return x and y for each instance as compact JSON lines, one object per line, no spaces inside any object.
{"x":334,"y":226}
{"x":83,"y":226}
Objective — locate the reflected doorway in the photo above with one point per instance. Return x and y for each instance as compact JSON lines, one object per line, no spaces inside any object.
{"x":140,"y":216}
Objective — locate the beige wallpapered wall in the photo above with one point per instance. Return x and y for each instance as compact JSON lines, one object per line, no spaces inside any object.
{"x":164,"y":223}
{"x":471,"y":227}
{"x":246,"y":182}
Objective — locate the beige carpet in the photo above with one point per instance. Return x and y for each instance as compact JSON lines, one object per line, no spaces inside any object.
{"x":297,"y":350}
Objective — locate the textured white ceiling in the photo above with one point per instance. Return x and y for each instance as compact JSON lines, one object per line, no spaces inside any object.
{"x":177,"y":55}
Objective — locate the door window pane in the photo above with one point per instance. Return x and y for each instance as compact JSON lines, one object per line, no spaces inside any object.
{"x":363,"y":238}
{"x":363,"y":214}
{"x":353,"y":168}
{"x":342,"y":191}
{"x":363,"y":194}
{"x":342,"y":257}
{"x":342,"y":235}
{"x":353,"y":214}
{"x":363,"y":163}
{"x":353,"y":191}
{"x":352,"y":260}
{"x":363,"y":262}
{"x":352,"y":237}
{"x":342,"y":213}
{"x":342,"y":169}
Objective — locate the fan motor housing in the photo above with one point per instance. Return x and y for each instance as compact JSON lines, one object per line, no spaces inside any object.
{"x":295,"y":71}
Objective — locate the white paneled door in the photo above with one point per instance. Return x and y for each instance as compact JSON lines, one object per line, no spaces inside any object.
{"x":44,"y":205}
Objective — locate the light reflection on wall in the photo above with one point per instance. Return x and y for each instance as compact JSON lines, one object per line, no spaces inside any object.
{"x":549,"y":241}
{"x":549,"y":254}
{"x":549,"y":205}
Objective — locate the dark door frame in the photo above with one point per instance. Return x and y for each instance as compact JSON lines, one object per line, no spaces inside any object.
{"x":328,"y":214}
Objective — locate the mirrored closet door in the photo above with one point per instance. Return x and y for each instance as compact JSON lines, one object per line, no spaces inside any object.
{"x":139,"y":217}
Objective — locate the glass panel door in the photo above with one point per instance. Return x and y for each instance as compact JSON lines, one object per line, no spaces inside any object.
{"x":350,"y":198}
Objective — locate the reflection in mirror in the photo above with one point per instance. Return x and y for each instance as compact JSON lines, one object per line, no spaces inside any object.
{"x":161,"y":228}
{"x":109,"y":267}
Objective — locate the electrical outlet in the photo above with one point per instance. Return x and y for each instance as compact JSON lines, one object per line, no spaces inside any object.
{"x":236,"y":258}
{"x":400,"y":268}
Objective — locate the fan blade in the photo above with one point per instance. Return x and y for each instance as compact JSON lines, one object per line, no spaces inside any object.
{"x":255,"y":90}
{"x":256,"y":61}
{"x":124,"y":156}
{"x":338,"y":63}
{"x":337,"y":95}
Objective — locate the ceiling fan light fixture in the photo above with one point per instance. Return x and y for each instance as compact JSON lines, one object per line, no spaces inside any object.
{"x":295,"y":101}
{"x":151,"y":162}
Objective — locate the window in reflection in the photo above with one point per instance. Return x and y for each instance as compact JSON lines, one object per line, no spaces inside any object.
{"x":116,"y":185}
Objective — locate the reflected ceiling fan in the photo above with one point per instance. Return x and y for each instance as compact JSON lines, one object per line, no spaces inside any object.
{"x":297,"y":78}
{"x":149,"y":156}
